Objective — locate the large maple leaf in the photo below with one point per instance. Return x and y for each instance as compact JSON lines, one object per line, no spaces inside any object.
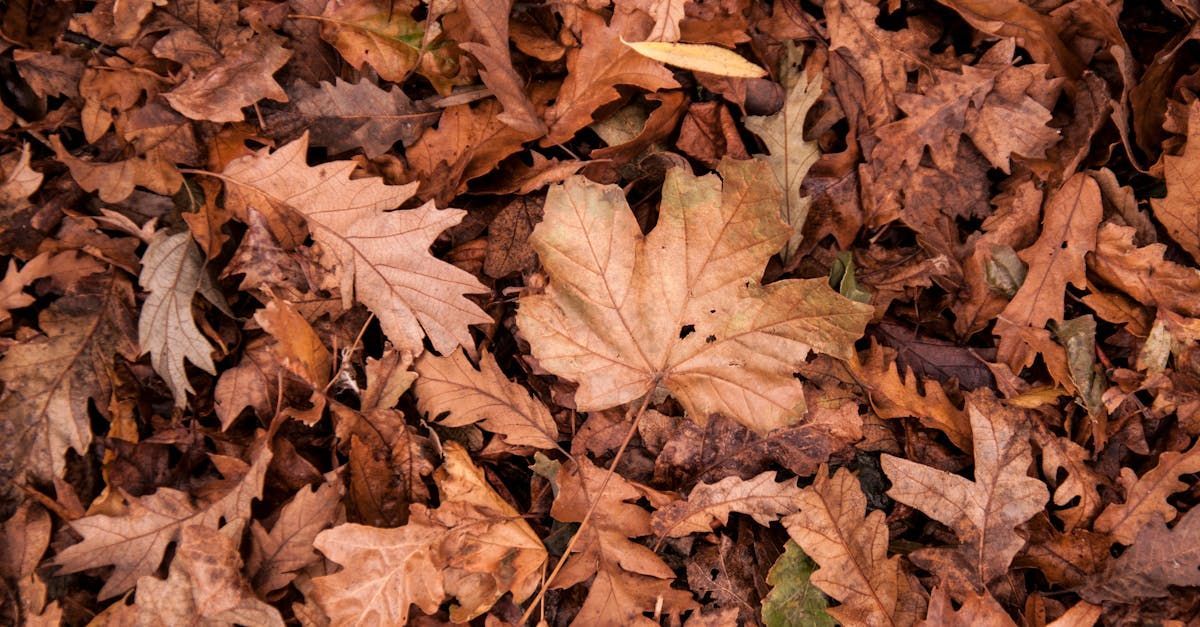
{"x":382,"y":256}
{"x":983,"y":513}
{"x":681,"y":307}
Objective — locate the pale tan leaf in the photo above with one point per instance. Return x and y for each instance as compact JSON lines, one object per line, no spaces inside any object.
{"x":451,"y":385}
{"x":710,"y":504}
{"x":705,"y":58}
{"x":382,"y":256}
{"x":682,"y":306}
{"x":135,"y":540}
{"x":983,"y":513}
{"x":172,"y":272}
{"x":1179,"y":212}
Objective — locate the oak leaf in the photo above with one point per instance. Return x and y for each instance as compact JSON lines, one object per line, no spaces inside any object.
{"x":277,"y":556}
{"x":1143,"y":272}
{"x":452,"y":386}
{"x":627,"y":579}
{"x":173,"y":272}
{"x":203,"y":587}
{"x":985,"y":512}
{"x":381,"y":256}
{"x":50,"y":379}
{"x":793,"y":599}
{"x":980,"y":610}
{"x":490,"y":19}
{"x":593,"y":72}
{"x":18,"y":181}
{"x":851,"y":549}
{"x":135,"y":540}
{"x":682,"y":307}
{"x":343,"y":116}
{"x":709,"y":505}
{"x":474,"y":547}
{"x":1146,"y":496}
{"x":1077,"y":495}
{"x":1070,"y":220}
{"x":1179,"y":212}
{"x":791,"y":155}
{"x":241,"y":79}
{"x":1159,"y":557}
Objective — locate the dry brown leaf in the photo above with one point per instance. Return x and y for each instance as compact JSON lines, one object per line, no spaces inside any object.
{"x":850,"y":547}
{"x":204,"y":587}
{"x":1071,"y":217}
{"x":343,"y":116}
{"x":135,"y":540}
{"x":299,"y":348}
{"x":49,"y":379}
{"x":985,"y":512}
{"x":708,"y":506}
{"x":276,"y":557}
{"x":241,"y":79}
{"x":1179,"y":212}
{"x":173,"y":272}
{"x":382,"y":256}
{"x":456,"y":550}
{"x":977,"y":610}
{"x":114,"y":182}
{"x":593,"y":72}
{"x":489,"y":18}
{"x":1146,"y":496}
{"x":452,"y":386}
{"x":18,"y":181}
{"x":1081,"y":482}
{"x":681,"y":307}
{"x":1160,"y":557}
{"x":1012,"y":18}
{"x":627,"y":579}
{"x":895,"y":397}
{"x":791,"y":155}
{"x":1143,"y":272}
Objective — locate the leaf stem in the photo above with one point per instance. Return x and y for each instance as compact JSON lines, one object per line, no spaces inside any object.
{"x":612,"y":468}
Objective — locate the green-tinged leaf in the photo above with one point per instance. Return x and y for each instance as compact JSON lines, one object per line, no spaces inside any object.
{"x":793,"y":600}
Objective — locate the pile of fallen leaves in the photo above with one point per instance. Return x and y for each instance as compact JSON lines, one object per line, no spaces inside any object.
{"x":600,"y":312}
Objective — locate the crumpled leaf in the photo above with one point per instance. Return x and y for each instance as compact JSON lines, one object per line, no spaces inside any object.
{"x":1146,"y":496}
{"x":985,"y":512}
{"x":451,"y":385}
{"x":382,"y":256}
{"x":134,"y":541}
{"x":173,"y":272}
{"x":851,"y":549}
{"x":49,"y":379}
{"x":709,"y":505}
{"x":474,"y":547}
{"x":681,"y":308}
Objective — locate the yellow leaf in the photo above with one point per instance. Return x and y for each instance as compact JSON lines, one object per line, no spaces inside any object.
{"x":698,"y":58}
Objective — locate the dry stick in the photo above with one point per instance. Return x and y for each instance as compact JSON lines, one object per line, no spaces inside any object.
{"x":612,"y":468}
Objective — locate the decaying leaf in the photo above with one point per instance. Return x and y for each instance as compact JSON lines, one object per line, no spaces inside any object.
{"x":709,"y":505}
{"x":793,"y":599}
{"x":681,"y":307}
